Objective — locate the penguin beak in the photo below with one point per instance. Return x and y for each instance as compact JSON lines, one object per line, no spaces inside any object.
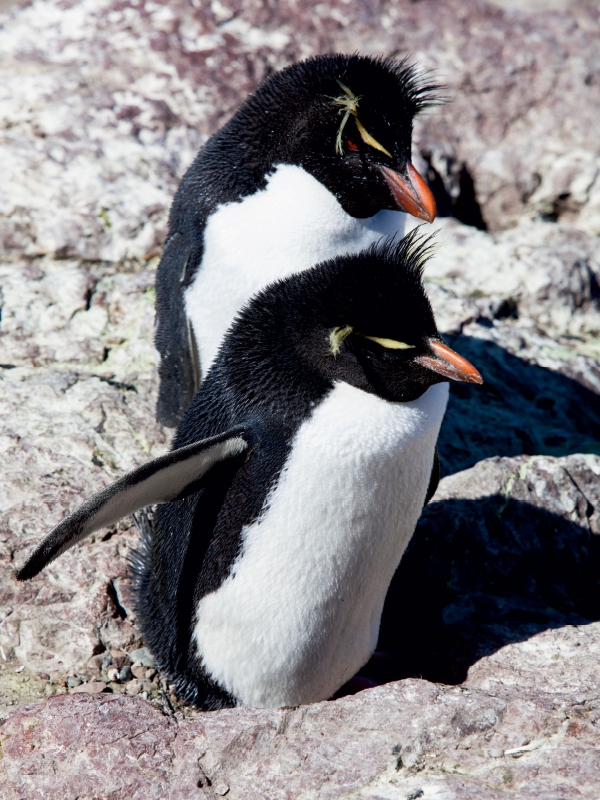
{"x":411,"y":193}
{"x":449,"y":364}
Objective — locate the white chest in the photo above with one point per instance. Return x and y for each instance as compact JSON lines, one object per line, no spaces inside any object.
{"x":299,"y":614}
{"x":293,"y":224}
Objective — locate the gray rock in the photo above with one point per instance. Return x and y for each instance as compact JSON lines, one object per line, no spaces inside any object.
{"x":523,"y":305}
{"x":143,"y":655}
{"x":545,"y":272}
{"x":488,"y":738}
{"x":104,"y":135}
{"x":538,"y":398}
{"x":125,"y":674}
{"x":506,"y":551}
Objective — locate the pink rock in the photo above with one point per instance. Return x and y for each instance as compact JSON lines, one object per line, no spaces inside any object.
{"x":92,"y":687}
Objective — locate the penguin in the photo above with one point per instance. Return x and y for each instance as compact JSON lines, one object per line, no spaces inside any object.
{"x":315,"y":163}
{"x":295,"y":482}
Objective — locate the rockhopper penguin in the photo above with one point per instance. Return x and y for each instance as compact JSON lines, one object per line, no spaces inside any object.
{"x":293,"y":487}
{"x":315,"y":163}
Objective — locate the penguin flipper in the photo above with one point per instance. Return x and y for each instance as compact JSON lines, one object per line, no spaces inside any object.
{"x":178,"y":369}
{"x":434,"y":479}
{"x":164,"y":480}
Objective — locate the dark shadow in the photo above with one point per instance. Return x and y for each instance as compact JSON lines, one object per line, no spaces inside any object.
{"x":461,"y":202}
{"x":521,"y":409}
{"x":480,"y":574}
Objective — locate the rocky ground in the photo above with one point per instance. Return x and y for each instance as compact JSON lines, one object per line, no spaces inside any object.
{"x":491,"y":632}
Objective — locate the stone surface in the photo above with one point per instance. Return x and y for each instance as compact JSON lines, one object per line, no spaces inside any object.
{"x":490,"y":632}
{"x":523,"y":306}
{"x":489,"y":738}
{"x":77,"y":409}
{"x":104,"y":103}
{"x":506,"y":550}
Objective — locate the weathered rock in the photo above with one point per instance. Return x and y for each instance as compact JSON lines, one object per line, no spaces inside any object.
{"x":545,"y":272}
{"x":488,"y":738}
{"x":92,"y":687}
{"x":524,"y":306}
{"x":77,"y":408}
{"x":538,"y":398}
{"x":505,"y":550}
{"x":519,"y":136}
{"x":104,"y":104}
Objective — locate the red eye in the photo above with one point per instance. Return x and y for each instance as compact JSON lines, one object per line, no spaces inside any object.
{"x":351,"y":145}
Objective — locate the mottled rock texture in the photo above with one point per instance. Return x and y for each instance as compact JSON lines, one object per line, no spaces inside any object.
{"x":490,"y":632}
{"x":104,"y":102}
{"x":484,"y":739}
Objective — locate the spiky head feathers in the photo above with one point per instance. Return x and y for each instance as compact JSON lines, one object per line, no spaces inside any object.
{"x":377,"y":293}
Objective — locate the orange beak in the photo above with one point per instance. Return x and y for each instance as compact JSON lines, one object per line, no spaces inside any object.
{"x":412,"y":195}
{"x":450,"y":364}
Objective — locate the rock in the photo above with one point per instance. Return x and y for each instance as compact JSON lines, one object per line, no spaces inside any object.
{"x":68,"y":426}
{"x":121,"y":660}
{"x":92,"y":687}
{"x":506,"y":551}
{"x":538,"y":398}
{"x":138,"y":670}
{"x":545,"y":272}
{"x":103,"y":136}
{"x":523,"y":306}
{"x":143,"y":655}
{"x":135,"y":686}
{"x":518,"y":138}
{"x":466,"y":741}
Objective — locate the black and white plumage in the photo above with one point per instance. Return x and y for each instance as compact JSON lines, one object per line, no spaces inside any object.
{"x":294,"y":485}
{"x":315,"y":163}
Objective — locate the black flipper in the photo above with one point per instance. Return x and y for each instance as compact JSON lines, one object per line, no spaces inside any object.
{"x":178,"y":369}
{"x":434,"y":480}
{"x":163,"y":480}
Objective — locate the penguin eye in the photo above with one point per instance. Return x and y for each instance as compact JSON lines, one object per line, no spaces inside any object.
{"x":351,"y":145}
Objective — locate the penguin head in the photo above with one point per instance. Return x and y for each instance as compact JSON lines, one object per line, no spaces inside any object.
{"x":364,"y":319}
{"x":347,"y":120}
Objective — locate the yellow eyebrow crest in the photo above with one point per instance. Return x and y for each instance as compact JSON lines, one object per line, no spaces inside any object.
{"x":337,"y":336}
{"x":348,"y":106}
{"x":391,"y":344}
{"x":368,"y":139}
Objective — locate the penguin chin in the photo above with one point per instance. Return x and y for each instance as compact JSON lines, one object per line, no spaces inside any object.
{"x":407,"y":392}
{"x":358,"y":187}
{"x":402,"y":387}
{"x":399,"y":383}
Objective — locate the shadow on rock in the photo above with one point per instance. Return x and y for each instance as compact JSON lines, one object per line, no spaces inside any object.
{"x":521,"y":408}
{"x":478,"y":575}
